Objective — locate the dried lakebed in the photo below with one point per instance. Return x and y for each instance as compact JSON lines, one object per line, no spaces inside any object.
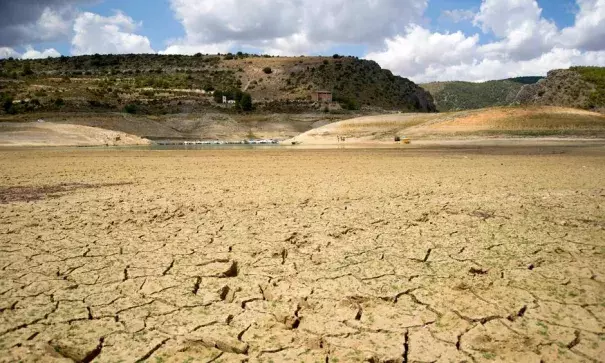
{"x":302,"y":255}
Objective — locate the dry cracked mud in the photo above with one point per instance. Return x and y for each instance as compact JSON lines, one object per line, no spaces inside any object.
{"x":302,"y":256}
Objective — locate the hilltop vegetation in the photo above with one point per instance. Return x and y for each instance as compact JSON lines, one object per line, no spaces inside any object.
{"x":162,"y":84}
{"x":456,"y":96}
{"x":581,"y":87}
{"x":578,"y":87}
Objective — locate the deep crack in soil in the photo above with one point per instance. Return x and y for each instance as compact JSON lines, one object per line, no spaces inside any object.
{"x":308,"y":255}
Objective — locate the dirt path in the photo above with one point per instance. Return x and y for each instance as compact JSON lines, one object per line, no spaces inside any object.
{"x":304,"y":256}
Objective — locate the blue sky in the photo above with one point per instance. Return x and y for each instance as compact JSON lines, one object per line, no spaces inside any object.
{"x":421,"y":39}
{"x":160,"y":25}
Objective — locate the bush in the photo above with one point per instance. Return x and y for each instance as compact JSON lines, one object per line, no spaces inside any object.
{"x":27,"y":70}
{"x":218,"y":96}
{"x":267,"y":70}
{"x":245,"y":102}
{"x":336,"y":56}
{"x":7,"y":103}
{"x":130,"y":108}
{"x":59,"y":102}
{"x":349,"y":104}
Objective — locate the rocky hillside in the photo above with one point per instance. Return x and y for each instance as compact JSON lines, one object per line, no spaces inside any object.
{"x":161,"y":84}
{"x":580,"y":87}
{"x":456,"y":96}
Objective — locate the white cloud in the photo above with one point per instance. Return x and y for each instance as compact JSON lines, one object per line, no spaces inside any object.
{"x":588,"y":31}
{"x":6,"y":52}
{"x":458,"y":15}
{"x":31,"y":53}
{"x":94,"y":33}
{"x":526,"y":44}
{"x":30,"y":21}
{"x":419,"y":48}
{"x":292,"y":27}
{"x":519,"y":23}
{"x":182,"y":48}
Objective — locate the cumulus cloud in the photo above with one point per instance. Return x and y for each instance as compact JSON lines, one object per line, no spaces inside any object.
{"x":285,"y":27}
{"x":31,"y":53}
{"x":526,"y":44}
{"x":94,"y":33}
{"x":30,"y":21}
{"x":588,"y":31}
{"x":6,"y":52}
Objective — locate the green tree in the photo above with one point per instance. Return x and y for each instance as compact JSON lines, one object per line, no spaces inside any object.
{"x":27,"y":70}
{"x":130,"y":108}
{"x":245,"y":103}
{"x":218,"y":96}
{"x":7,"y":103}
{"x":59,"y":102}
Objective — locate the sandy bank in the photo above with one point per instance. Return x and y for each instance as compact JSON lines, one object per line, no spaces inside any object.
{"x":51,"y":134}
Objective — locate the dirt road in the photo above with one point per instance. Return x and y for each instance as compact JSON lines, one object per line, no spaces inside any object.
{"x":302,"y":255}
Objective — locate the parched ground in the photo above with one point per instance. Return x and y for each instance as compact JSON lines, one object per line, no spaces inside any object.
{"x":303,"y":255}
{"x":51,"y":134}
{"x":495,"y":122}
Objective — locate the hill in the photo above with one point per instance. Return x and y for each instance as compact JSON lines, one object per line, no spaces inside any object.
{"x":455,"y":96}
{"x":168,"y":84}
{"x":498,"y":122}
{"x":580,"y":87}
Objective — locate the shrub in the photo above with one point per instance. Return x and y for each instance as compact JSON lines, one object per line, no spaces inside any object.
{"x":59,"y":102}
{"x":218,"y":96}
{"x":7,"y":103}
{"x":245,"y":102}
{"x":267,"y":70}
{"x":349,"y":104}
{"x":27,"y":70}
{"x":130,"y":108}
{"x":336,"y":56}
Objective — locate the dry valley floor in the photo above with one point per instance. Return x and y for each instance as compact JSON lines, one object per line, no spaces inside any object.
{"x":380,"y":255}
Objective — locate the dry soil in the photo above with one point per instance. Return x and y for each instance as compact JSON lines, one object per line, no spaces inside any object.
{"x":50,"y":134}
{"x":303,"y":255}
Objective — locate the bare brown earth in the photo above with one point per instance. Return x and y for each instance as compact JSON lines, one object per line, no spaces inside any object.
{"x":496,"y":122}
{"x":383,"y":255}
{"x":51,"y":134}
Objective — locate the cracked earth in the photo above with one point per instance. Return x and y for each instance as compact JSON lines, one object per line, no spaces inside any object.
{"x":303,"y":256}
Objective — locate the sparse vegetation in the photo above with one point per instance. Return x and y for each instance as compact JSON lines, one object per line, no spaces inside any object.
{"x":456,"y":96}
{"x":596,"y":77}
{"x":161,"y":84}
